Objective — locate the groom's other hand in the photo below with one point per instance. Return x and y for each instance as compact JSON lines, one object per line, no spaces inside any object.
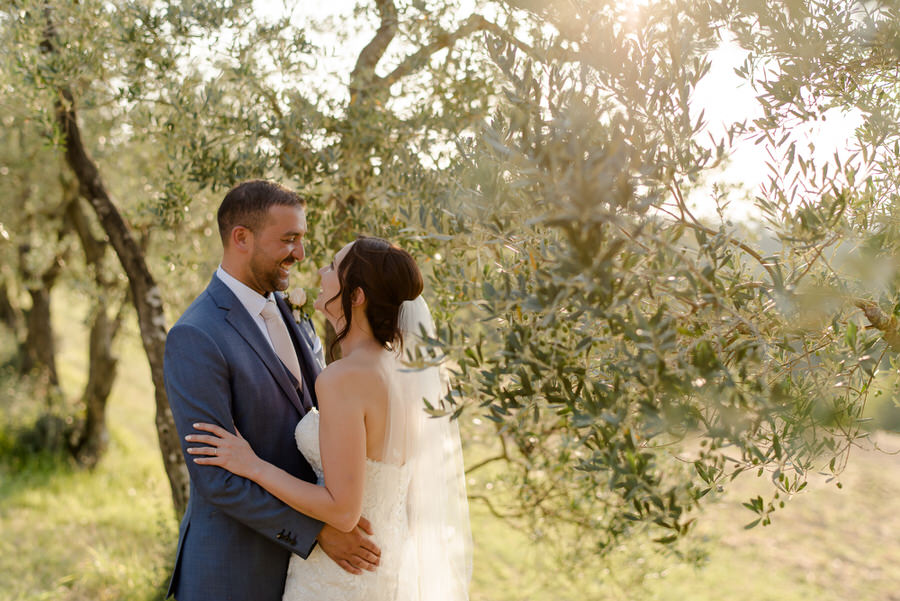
{"x":352,"y":550}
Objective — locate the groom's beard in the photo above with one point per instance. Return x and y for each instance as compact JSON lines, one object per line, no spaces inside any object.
{"x":269,"y":274}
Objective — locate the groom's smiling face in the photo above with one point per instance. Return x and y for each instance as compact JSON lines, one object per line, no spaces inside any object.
{"x":277,"y":245}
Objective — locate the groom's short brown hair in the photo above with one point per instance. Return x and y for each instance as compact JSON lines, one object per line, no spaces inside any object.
{"x":248,"y":203}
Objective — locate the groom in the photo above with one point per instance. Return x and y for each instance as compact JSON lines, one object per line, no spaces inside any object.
{"x":236,"y":358}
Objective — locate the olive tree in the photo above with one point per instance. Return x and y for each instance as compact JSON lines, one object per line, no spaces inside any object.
{"x":64,"y":58}
{"x":626,"y":358}
{"x":632,"y":357}
{"x":206,"y":86}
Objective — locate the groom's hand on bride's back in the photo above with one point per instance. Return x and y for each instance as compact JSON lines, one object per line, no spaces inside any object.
{"x":353,"y":550}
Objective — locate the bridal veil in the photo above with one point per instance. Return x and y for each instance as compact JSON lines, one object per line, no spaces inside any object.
{"x":436,"y":561}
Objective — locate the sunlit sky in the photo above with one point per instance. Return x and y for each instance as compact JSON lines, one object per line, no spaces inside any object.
{"x":721,"y":95}
{"x":726,"y":98}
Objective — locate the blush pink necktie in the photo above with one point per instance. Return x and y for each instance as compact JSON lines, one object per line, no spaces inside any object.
{"x":281,"y":339}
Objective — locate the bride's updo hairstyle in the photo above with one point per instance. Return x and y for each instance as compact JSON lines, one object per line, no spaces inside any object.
{"x":388,"y":276}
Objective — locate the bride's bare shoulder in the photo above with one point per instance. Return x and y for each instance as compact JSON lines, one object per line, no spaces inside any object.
{"x":349,"y":377}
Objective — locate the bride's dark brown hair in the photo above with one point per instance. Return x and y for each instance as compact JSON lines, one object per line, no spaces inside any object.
{"x":388,"y":276}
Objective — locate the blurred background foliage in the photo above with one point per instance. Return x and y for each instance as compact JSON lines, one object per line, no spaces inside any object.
{"x":617,"y":358}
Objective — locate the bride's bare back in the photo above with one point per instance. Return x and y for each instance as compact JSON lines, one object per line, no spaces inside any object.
{"x":364,"y":378}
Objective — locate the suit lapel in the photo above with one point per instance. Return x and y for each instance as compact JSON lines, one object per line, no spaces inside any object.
{"x":241,"y":321}
{"x":309,"y":367}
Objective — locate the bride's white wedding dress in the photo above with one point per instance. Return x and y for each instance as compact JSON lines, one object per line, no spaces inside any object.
{"x":384,"y":505}
{"x":415,"y":499}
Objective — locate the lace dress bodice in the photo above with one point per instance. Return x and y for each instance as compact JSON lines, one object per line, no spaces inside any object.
{"x":384,"y":505}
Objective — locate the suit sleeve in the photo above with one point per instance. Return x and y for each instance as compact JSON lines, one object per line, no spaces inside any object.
{"x":197,"y":384}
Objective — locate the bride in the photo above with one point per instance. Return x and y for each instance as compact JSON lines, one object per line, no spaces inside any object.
{"x":375,"y":450}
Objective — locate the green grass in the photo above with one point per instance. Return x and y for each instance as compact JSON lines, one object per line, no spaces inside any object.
{"x":828,"y":544}
{"x":105,"y":534}
{"x":110,"y":534}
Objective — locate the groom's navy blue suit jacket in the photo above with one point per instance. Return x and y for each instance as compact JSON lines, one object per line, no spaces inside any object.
{"x":236,"y":539}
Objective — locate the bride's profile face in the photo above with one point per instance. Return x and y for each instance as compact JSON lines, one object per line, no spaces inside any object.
{"x":330,"y":286}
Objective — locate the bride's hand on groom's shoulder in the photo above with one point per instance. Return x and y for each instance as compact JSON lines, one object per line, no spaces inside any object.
{"x":353,"y":551}
{"x":224,"y":449}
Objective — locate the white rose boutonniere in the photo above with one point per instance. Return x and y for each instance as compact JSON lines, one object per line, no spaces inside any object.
{"x":300,"y":302}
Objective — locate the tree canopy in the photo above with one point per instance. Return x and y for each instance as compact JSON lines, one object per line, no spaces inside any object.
{"x":625,"y":358}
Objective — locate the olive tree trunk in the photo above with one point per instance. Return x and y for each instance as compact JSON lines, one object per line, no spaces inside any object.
{"x":145,"y":293}
{"x":10,"y":314}
{"x":38,"y":350}
{"x":91,"y":437}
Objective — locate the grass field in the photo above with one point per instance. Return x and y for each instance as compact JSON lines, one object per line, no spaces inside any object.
{"x":828,"y":544}
{"x":110,"y":534}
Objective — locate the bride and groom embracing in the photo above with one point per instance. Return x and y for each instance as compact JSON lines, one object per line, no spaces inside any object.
{"x":311,"y":482}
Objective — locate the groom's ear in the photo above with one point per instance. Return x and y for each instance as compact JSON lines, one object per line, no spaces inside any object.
{"x":241,"y":237}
